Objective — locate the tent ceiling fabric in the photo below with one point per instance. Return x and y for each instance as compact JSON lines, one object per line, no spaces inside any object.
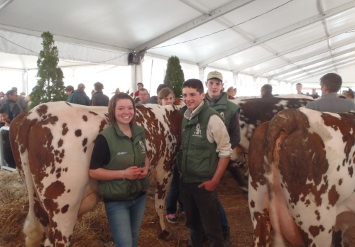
{"x":285,"y":40}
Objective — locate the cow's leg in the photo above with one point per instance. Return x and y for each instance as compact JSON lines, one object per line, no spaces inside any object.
{"x":163,"y":182}
{"x":33,"y":229}
{"x":344,"y":234}
{"x":259,"y":211}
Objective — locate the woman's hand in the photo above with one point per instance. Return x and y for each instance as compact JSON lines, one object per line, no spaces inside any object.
{"x":144,"y":172}
{"x":131,"y":173}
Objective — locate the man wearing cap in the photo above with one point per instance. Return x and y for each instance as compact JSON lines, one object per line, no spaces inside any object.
{"x":229,"y":112}
{"x":79,"y":96}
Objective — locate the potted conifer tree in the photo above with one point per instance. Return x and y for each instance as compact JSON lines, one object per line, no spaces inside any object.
{"x":174,"y":77}
{"x":50,"y":85}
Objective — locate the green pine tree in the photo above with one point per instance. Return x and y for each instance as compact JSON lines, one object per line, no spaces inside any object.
{"x":174,"y":77}
{"x":50,"y":85}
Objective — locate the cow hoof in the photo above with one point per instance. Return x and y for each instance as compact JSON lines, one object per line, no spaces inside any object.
{"x":165,"y":235}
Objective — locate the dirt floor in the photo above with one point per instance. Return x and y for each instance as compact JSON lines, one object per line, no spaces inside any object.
{"x":93,"y":231}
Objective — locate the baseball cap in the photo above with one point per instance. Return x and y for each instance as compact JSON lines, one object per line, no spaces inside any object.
{"x":81,"y":85}
{"x":215,"y":74}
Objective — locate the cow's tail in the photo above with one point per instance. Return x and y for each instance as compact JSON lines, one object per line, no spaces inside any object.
{"x":280,"y":128}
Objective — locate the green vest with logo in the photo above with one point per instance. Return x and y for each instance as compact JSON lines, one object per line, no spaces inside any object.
{"x":124,"y":152}
{"x":226,"y":109}
{"x":199,"y":157}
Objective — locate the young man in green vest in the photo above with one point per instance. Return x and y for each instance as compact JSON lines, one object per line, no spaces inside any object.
{"x":205,"y":155}
{"x":229,"y":112}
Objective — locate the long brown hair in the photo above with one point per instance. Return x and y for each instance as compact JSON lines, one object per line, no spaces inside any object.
{"x":163,"y":93}
{"x":112,"y":106}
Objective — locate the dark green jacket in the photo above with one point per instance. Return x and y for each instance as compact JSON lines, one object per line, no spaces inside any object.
{"x":226,"y":109}
{"x":125,"y":152}
{"x":199,"y":157}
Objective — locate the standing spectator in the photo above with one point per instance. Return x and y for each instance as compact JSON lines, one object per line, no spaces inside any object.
{"x":11,"y":110}
{"x":139,"y":86}
{"x":229,"y":112}
{"x":314,"y":94}
{"x":143,"y":96}
{"x":21,"y":102}
{"x":166,"y":97}
{"x":205,"y":155}
{"x":79,"y":96}
{"x":299,"y":87}
{"x":2,"y":95}
{"x":69,"y":90}
{"x":231,"y":92}
{"x":154,"y":99}
{"x":329,"y":101}
{"x":120,"y":164}
{"x":266,"y":91}
{"x":98,"y":98}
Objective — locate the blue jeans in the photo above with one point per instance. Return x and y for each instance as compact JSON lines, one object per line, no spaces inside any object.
{"x":125,"y":219}
{"x":222,"y":213}
{"x":174,"y":194}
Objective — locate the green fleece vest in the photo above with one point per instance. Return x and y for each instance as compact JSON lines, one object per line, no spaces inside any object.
{"x":199,"y":157}
{"x":226,"y":109}
{"x":124,"y":152}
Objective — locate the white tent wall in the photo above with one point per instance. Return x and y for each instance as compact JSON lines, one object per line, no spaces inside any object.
{"x":113,"y":77}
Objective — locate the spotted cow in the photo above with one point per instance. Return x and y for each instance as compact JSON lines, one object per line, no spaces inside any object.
{"x":52,"y":146}
{"x":301,"y":167}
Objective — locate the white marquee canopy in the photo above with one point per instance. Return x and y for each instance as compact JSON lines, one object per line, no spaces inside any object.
{"x":287,"y":41}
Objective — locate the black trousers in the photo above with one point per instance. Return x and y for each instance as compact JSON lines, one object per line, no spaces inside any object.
{"x":202,"y":215}
{"x":8,"y":156}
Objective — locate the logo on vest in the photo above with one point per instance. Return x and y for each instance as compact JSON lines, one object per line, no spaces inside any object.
{"x":222,"y":115}
{"x":197,"y":131}
{"x":121,"y":153}
{"x":142,"y":146}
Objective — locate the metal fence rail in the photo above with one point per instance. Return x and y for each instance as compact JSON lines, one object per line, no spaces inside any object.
{"x":3,"y":164}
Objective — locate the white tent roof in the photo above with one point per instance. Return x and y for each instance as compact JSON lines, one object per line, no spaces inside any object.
{"x":284,"y":40}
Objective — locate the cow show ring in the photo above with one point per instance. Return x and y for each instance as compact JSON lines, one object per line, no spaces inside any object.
{"x":253,"y":112}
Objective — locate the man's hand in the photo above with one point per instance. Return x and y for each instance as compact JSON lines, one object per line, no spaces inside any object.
{"x":209,"y":185}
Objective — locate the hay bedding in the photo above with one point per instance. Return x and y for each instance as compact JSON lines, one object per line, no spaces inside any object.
{"x":93,"y":230}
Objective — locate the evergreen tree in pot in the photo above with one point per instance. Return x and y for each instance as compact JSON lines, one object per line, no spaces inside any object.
{"x":50,"y":85}
{"x":174,"y":77}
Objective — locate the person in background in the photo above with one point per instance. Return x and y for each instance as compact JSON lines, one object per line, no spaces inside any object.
{"x":80,"y":97}
{"x":69,"y":90}
{"x":154,"y":99}
{"x":231,"y":92}
{"x":205,"y":155}
{"x":314,"y":94}
{"x":143,"y":96}
{"x":350,"y":94}
{"x":139,"y":86}
{"x":266,"y":91}
{"x":2,"y":95}
{"x":329,"y":101}
{"x":229,"y":112}
{"x":21,"y":102}
{"x":99,"y":98}
{"x":299,"y":87}
{"x":166,"y":97}
{"x":9,"y":110}
{"x":120,"y":164}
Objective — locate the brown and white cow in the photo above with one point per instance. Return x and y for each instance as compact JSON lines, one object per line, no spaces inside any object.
{"x":301,"y":166}
{"x":254,"y":111}
{"x":52,"y":146}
